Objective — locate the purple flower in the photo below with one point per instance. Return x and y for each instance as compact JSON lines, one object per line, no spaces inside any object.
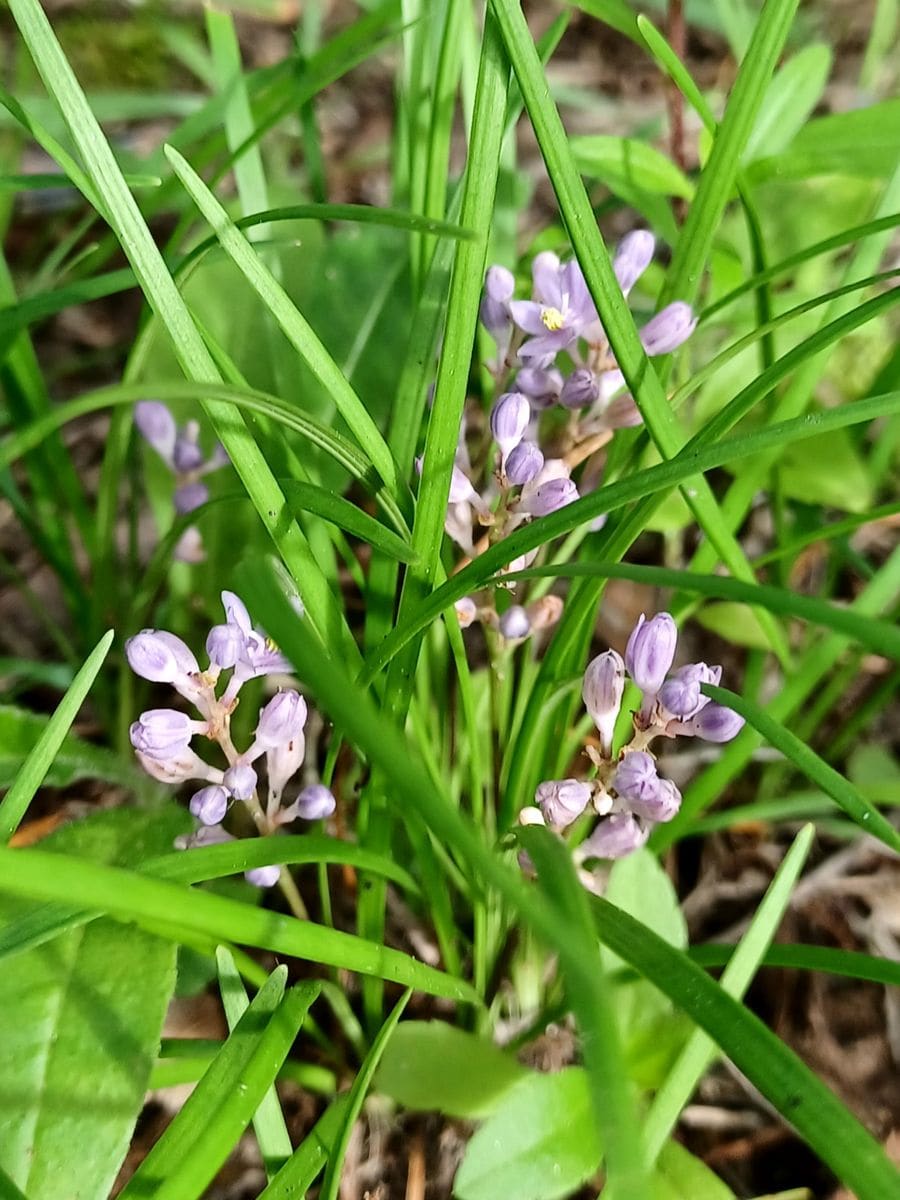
{"x":225,"y":645}
{"x":160,"y":657}
{"x":714,"y":723}
{"x":466,"y":611}
{"x":604,"y":683}
{"x":650,"y":651}
{"x":623,"y":413}
{"x":562,"y":800}
{"x":282,"y":764}
{"x":616,"y":836}
{"x":560,"y":312}
{"x":209,"y":805}
{"x":259,"y":656}
{"x":668,"y":329}
{"x":523,"y":463}
{"x":681,"y":696}
{"x":186,"y":454}
{"x":184,"y":765}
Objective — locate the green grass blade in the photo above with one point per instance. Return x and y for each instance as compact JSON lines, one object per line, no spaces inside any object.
{"x":127,"y":895}
{"x":696,"y":1056}
{"x":15,"y":803}
{"x":855,"y":805}
{"x":332,"y":1181}
{"x":268,"y":1121}
{"x":301,"y":1169}
{"x":826,"y":959}
{"x":294,"y":325}
{"x":221,"y":1077}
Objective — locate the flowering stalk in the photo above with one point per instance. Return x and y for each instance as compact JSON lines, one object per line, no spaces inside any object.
{"x":162,"y":737}
{"x":627,"y":793}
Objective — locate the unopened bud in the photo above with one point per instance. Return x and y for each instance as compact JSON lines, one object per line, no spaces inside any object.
{"x":650,"y":651}
{"x":225,"y":644}
{"x":263,"y":877}
{"x":668,"y":329}
{"x":315,"y":803}
{"x":580,"y":389}
{"x":466,"y":611}
{"x":190,"y":496}
{"x":523,"y":463}
{"x":514,"y":624}
{"x":209,"y":805}
{"x":281,"y":720}
{"x":604,"y":683}
{"x":637,"y":783}
{"x":616,"y":836}
{"x":562,"y":801}
{"x":541,"y":386}
{"x":633,"y":256}
{"x":714,"y":723}
{"x":681,"y":695}
{"x":549,"y":497}
{"x":241,"y":781}
{"x":509,"y":420}
{"x":156,"y":425}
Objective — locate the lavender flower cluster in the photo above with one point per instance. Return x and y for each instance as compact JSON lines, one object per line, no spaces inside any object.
{"x":179,"y":448}
{"x":628,"y":794}
{"x":162,"y":736}
{"x":551,"y":352}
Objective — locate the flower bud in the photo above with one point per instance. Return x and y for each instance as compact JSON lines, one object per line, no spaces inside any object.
{"x":209,"y":805}
{"x":509,"y":420}
{"x":186,"y":454}
{"x":466,"y":611}
{"x":580,"y":389}
{"x":282,"y":764}
{"x":647,"y":795}
{"x":713,"y":723}
{"x":460,"y":487}
{"x":550,"y":496}
{"x":190,"y":496}
{"x":151,"y":657}
{"x":616,"y":836}
{"x":514,"y":624}
{"x":184,"y":765}
{"x":156,"y":426}
{"x":562,"y":800}
{"x":225,"y":645}
{"x":542,"y":387}
{"x":499,"y":286}
{"x":544,"y":612}
{"x":263,"y":877}
{"x":633,"y":256}
{"x":281,"y":721}
{"x":523,"y":463}
{"x":604,"y":683}
{"x":668,"y":329}
{"x":240,"y":780}
{"x":681,"y":695}
{"x":315,"y":803}
{"x":189,"y":547}
{"x":623,"y":413}
{"x":161,"y":733}
{"x":650,"y":651}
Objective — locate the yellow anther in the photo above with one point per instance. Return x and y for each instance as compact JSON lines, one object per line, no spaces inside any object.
{"x":552,"y":318}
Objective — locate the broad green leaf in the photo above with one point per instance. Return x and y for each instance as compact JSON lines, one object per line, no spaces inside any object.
{"x":846,"y":484}
{"x":44,"y":750}
{"x":429,"y":1066}
{"x":862,"y":141}
{"x":736,"y":623}
{"x":792,"y":95}
{"x":682,"y":1176}
{"x":541,"y":1143}
{"x":615,"y":160}
{"x":89,"y":1007}
{"x":20,"y":732}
